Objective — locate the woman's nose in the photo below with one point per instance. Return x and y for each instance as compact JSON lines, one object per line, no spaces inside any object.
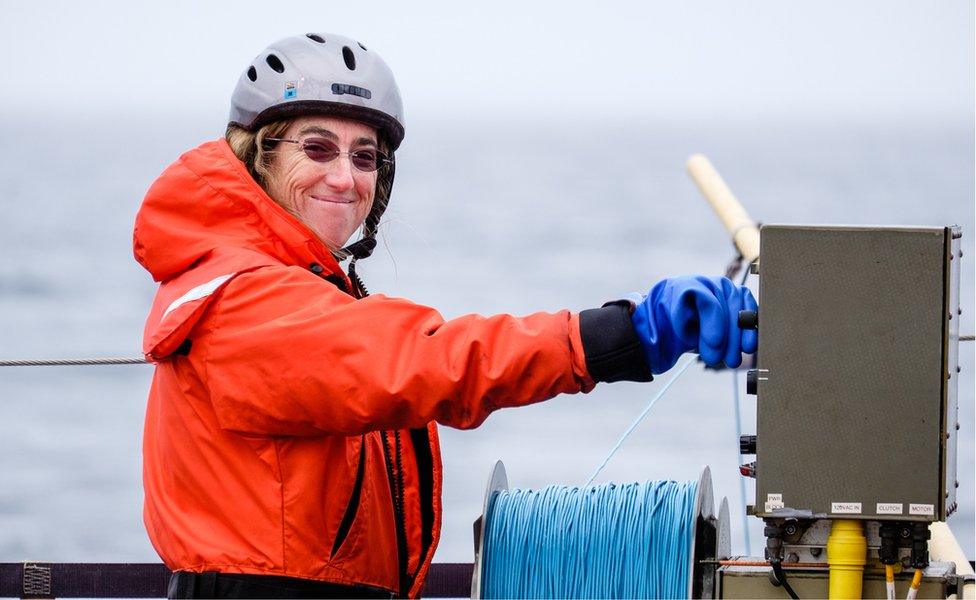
{"x":339,"y":173}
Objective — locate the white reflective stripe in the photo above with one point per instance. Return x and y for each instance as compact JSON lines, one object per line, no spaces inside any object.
{"x":201,"y":291}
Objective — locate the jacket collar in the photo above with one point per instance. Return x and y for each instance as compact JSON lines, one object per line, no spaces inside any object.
{"x":207,"y":200}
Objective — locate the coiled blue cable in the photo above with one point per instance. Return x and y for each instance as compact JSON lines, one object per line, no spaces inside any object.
{"x":629,"y":540}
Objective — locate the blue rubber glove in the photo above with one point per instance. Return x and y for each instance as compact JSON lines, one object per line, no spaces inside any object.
{"x":694,"y":314}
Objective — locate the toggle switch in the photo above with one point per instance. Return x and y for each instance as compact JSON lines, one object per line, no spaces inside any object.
{"x":752,"y":381}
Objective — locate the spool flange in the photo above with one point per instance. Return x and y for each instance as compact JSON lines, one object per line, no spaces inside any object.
{"x":496,"y":482}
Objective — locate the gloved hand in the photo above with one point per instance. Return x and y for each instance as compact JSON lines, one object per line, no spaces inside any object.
{"x":694,"y":313}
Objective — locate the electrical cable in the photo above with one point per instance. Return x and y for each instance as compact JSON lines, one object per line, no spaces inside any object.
{"x":631,"y":540}
{"x":916,"y":583}
{"x":742,"y":479}
{"x":640,"y":417}
{"x":781,"y":579}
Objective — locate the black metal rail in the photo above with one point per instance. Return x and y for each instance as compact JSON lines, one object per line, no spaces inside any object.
{"x":149,"y":580}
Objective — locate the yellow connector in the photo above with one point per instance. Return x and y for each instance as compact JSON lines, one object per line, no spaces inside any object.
{"x":847,"y":552}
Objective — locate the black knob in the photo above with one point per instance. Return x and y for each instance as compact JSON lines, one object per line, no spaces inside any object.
{"x":747,"y":444}
{"x":748,"y":319}
{"x":752,"y":381}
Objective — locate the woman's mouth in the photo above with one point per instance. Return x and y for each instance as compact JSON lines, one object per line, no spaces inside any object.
{"x":333,"y":199}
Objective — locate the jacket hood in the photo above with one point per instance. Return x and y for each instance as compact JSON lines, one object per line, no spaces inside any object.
{"x":208,"y":200}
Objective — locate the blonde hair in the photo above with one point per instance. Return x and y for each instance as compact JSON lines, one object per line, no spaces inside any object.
{"x":251,"y":149}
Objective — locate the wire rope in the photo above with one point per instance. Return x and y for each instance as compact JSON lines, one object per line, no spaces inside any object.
{"x":65,"y":362}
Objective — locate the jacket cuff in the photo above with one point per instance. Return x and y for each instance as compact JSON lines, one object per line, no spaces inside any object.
{"x":610,"y":344}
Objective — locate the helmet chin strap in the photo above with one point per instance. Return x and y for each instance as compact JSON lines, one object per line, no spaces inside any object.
{"x":365,"y":246}
{"x":361,"y":249}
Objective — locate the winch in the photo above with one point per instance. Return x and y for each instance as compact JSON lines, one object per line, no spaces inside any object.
{"x":854,"y":452}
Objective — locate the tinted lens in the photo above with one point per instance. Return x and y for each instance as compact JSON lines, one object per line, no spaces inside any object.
{"x":320,"y":150}
{"x":364,"y":160}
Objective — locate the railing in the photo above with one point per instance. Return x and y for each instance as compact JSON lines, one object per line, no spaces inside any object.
{"x":149,"y":580}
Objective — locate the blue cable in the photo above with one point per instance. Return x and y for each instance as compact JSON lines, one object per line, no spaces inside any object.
{"x":738,"y":435}
{"x":742,"y":479}
{"x":631,"y":540}
{"x":677,"y":373}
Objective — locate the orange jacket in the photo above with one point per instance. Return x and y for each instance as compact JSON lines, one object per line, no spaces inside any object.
{"x":290,"y":426}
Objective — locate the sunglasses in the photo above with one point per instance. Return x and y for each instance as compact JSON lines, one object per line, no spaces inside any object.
{"x":323,"y":150}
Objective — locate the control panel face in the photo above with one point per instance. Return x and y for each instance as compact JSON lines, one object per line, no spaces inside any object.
{"x":855,"y":400}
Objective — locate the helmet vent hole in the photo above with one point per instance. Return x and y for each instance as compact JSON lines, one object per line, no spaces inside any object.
{"x":363,"y":47}
{"x":349,"y":57}
{"x":252,"y":73}
{"x":315,"y":37}
{"x":275,"y":63}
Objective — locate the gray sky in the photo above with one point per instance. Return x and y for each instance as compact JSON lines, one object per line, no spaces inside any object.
{"x":891,"y":59}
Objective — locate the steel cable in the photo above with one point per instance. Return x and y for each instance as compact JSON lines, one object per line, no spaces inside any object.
{"x":67,"y":362}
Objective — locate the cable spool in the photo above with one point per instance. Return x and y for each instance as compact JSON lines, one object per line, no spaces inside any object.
{"x":553,"y":518}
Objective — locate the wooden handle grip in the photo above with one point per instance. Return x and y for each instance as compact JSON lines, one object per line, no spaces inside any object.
{"x":737,"y":221}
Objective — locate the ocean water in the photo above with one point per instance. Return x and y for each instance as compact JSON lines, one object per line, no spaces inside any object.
{"x":489,"y":215}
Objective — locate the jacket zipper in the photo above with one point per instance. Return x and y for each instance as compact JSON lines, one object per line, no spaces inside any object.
{"x":394,"y":474}
{"x":396,"y":494}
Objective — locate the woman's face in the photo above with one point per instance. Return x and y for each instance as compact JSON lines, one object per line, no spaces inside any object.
{"x":331,"y":198}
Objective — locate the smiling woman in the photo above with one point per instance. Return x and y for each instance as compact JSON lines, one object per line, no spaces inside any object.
{"x":291,"y":445}
{"x":330,"y":196}
{"x":299,"y":185}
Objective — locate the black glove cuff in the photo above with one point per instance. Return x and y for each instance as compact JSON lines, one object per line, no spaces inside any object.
{"x":610,"y":344}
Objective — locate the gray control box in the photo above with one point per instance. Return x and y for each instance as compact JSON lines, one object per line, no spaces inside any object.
{"x":857,"y":363}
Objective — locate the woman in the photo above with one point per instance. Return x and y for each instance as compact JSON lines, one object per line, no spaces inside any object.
{"x":290,"y":445}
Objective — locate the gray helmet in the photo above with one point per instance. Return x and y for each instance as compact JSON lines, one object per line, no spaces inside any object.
{"x":319,"y":73}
